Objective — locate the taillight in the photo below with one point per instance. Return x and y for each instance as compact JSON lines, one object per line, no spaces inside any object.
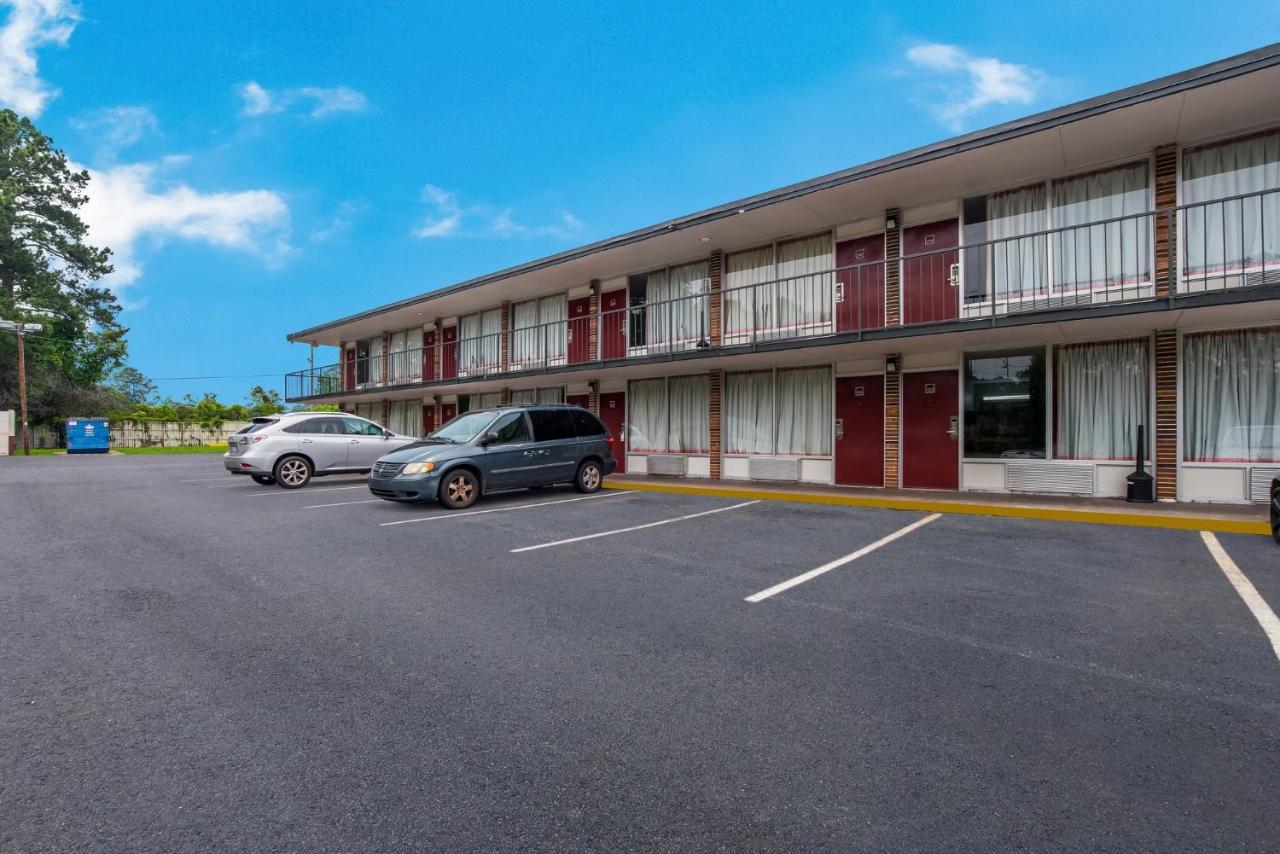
{"x":256,"y":439}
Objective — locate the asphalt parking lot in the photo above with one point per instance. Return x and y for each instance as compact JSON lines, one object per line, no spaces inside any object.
{"x":192,"y":662}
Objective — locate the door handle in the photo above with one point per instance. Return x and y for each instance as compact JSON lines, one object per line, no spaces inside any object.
{"x":355,"y":441}
{"x":305,"y":441}
{"x":530,"y":453}
{"x":954,"y":430}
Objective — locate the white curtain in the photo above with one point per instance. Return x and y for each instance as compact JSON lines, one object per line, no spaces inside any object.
{"x":1019,"y":266}
{"x":524,"y":397}
{"x":1103,"y":395}
{"x":647,"y":415}
{"x":526,"y":347}
{"x":553,"y":314}
{"x":677,"y":310}
{"x":1231,"y":387}
{"x":1116,"y":253}
{"x":748,"y":302}
{"x":748,"y":413}
{"x":488,"y":400}
{"x":1229,"y":236}
{"x":479,"y":345}
{"x":805,"y":411}
{"x":689,"y":419}
{"x":554,"y":394}
{"x":804,"y":293}
{"x":406,"y":417}
{"x":375,"y":361}
{"x":371,"y":411}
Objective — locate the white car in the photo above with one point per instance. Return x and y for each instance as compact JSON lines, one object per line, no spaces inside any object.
{"x":292,"y":448}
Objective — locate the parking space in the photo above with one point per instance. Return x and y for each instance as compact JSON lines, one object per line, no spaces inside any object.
{"x":547,"y":667}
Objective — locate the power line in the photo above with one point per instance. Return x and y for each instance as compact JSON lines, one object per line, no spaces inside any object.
{"x":225,"y":377}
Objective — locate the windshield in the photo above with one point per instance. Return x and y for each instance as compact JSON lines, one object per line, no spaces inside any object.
{"x":465,"y":427}
{"x":258,"y":424}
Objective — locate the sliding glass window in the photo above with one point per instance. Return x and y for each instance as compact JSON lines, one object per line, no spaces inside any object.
{"x":1103,"y":395}
{"x":669,"y":415}
{"x":1004,"y":405}
{"x":786,"y":412}
{"x":1231,"y":394}
{"x":1239,"y":235}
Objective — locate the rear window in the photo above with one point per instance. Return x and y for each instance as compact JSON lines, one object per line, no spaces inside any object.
{"x":258,"y":424}
{"x":587,"y":424}
{"x":551,"y":424}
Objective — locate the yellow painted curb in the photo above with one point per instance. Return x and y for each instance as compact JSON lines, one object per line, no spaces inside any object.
{"x":967,"y":508}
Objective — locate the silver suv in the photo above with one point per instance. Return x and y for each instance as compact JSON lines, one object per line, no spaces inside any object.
{"x":292,"y":448}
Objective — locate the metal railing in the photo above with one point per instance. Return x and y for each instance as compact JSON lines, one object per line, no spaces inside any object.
{"x":1228,"y":243}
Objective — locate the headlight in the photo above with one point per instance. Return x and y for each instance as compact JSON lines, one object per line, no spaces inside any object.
{"x":418,"y":468}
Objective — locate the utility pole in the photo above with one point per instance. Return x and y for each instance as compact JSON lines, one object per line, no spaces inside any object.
{"x":22,"y":329}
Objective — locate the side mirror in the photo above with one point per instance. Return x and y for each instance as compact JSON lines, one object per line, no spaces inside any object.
{"x":387,"y":434}
{"x":489,"y":438}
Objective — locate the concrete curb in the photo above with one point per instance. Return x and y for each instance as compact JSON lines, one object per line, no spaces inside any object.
{"x":970,"y":508}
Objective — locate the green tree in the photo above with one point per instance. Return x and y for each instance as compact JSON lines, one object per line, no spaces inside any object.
{"x":133,"y":385}
{"x":264,"y":401}
{"x":48,"y":274}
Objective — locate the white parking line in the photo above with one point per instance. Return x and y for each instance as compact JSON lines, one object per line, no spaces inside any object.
{"x":342,"y":503}
{"x":631,"y":528}
{"x":839,"y":562}
{"x":444,"y":515}
{"x":1257,"y":605}
{"x":225,"y":485}
{"x":308,"y":491}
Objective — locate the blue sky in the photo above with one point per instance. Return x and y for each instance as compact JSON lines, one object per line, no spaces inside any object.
{"x":261,"y":167}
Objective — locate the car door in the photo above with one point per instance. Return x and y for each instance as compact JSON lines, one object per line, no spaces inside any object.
{"x":512,"y":461}
{"x":324,"y":440}
{"x":366,"y":442}
{"x":556,"y":444}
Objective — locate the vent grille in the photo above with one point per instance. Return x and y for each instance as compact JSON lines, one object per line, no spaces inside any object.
{"x":383,"y":471}
{"x":1260,"y":482}
{"x":670,"y":465}
{"x":766,"y":468}
{"x":1066,"y":478}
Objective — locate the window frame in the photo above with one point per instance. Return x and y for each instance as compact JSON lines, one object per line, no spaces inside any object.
{"x":775,"y":414}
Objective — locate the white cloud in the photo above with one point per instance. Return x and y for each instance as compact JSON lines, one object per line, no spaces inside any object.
{"x":967,"y":83}
{"x":341,"y":223}
{"x":131,"y":204}
{"x":115,"y":128}
{"x":31,"y":24}
{"x":448,"y":219}
{"x":316,"y":101}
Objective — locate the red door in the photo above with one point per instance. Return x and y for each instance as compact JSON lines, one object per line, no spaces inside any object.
{"x":860,"y":431}
{"x":583,"y":400}
{"x":349,"y":375}
{"x":579,"y":330}
{"x":930,"y":430}
{"x":931,"y":281}
{"x":613,"y":408}
{"x":613,"y":325}
{"x":429,"y":355}
{"x":449,"y":360}
{"x":860,"y":284}
{"x":448,"y":412}
{"x":428,"y":418}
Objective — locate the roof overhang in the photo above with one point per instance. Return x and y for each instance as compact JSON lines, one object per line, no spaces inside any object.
{"x":1231,"y":96}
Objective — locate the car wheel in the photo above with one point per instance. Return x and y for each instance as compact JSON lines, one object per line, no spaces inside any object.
{"x":264,"y":479}
{"x":589,"y":477}
{"x":459,"y":489}
{"x":293,"y":472}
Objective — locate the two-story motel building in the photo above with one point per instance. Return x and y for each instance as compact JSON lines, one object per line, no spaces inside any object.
{"x":997,"y":312}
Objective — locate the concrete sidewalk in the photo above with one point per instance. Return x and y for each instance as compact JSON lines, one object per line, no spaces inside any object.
{"x":1221,"y":518}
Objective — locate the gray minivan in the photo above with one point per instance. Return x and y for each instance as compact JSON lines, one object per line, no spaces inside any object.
{"x":490,"y":450}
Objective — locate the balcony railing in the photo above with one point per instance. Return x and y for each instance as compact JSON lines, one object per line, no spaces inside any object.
{"x":1225,"y":244}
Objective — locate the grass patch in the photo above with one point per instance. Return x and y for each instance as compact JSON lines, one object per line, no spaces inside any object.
{"x":182,"y":449}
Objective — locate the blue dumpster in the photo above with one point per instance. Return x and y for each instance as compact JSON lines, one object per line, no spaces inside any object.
{"x":88,"y":436}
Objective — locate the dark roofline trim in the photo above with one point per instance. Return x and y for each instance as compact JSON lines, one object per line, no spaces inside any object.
{"x":1182,"y":81}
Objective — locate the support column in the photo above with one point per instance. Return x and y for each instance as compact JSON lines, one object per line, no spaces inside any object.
{"x":893,"y":270}
{"x":1166,"y":226}
{"x":892,"y":427}
{"x":1167,"y":415}
{"x":439,"y":358}
{"x":386,"y":355}
{"x":435,"y":401}
{"x":342,"y":365}
{"x":504,"y":339}
{"x":716,"y":384}
{"x":593,"y":389}
{"x":593,"y":333}
{"x":386,"y":412}
{"x":715,"y":266}
{"x":504,"y":397}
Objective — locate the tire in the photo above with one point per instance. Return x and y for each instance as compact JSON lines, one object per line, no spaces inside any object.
{"x":263,"y":479}
{"x":459,"y":489}
{"x":589,"y":477}
{"x":292,"y":472}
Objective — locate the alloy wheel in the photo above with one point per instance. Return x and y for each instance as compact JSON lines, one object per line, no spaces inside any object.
{"x":590,"y":477}
{"x":293,"y":472}
{"x":461,"y":489}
